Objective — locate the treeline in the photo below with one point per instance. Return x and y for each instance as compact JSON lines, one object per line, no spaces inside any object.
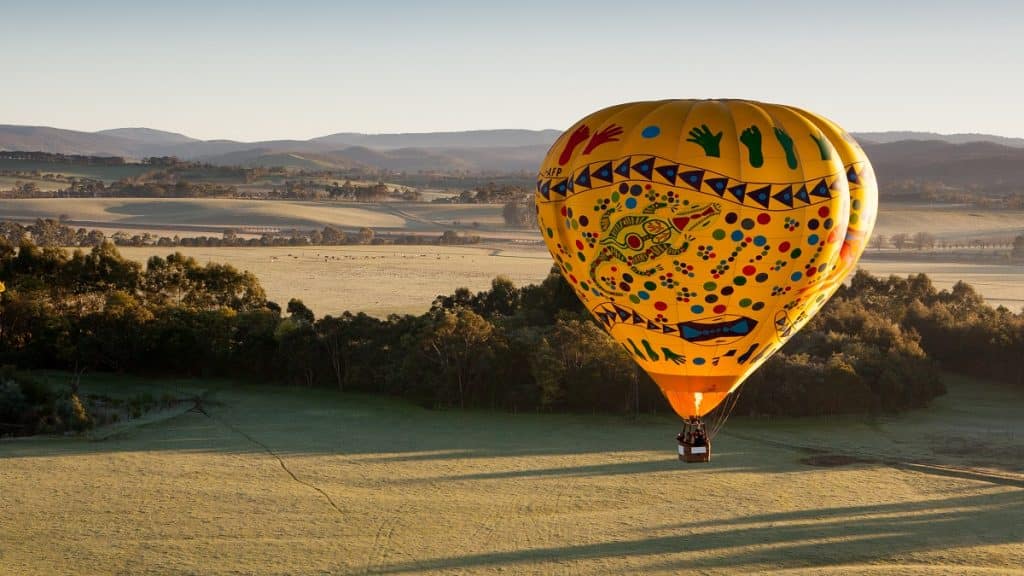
{"x":877,"y":346}
{"x":46,"y":232}
{"x":1004,"y":194}
{"x":51,"y":158}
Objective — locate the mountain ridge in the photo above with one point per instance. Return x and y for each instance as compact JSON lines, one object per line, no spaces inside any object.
{"x":896,"y":155}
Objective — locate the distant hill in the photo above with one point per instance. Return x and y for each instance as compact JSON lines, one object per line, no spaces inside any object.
{"x":961,"y":160}
{"x":148,"y":136}
{"x":895,"y":136}
{"x":467,"y":139}
{"x":974,"y":164}
{"x":57,"y":141}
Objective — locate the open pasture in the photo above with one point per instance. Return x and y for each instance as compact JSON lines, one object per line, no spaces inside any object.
{"x":385,"y":279}
{"x":380,"y":280}
{"x":950,"y":224}
{"x":946,"y":223}
{"x":107,"y":174}
{"x":291,"y":481}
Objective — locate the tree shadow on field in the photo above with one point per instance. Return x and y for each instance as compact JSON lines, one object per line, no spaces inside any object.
{"x":376,"y":429}
{"x":805,"y":539}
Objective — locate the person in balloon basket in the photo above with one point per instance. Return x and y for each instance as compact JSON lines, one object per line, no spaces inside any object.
{"x":699,"y":439}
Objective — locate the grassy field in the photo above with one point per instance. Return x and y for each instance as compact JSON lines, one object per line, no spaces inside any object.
{"x":1001,"y":285}
{"x":381,"y":280}
{"x":107,"y":174}
{"x":378,"y":280}
{"x":288,"y":481}
{"x":8,"y":183}
{"x":946,"y":223}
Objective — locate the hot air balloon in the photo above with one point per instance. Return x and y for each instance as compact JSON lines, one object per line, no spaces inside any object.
{"x":702,"y":234}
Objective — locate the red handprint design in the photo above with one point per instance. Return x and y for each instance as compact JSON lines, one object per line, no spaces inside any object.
{"x":609,"y":134}
{"x":575,"y":139}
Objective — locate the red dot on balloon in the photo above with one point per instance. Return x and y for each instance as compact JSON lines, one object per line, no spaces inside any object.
{"x":749,"y":270}
{"x":811,"y":271}
{"x":660,"y":306}
{"x":719,"y":309}
{"x":573,"y":278}
{"x":579,"y":245}
{"x":784,"y":247}
{"x":763,"y":218}
{"x":823,"y":212}
{"x":564,"y":211}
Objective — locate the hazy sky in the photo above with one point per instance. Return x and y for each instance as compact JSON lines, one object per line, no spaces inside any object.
{"x":261,"y":70}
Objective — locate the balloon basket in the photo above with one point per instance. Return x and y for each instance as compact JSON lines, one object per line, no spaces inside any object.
{"x":689,"y":453}
{"x":694,"y":443}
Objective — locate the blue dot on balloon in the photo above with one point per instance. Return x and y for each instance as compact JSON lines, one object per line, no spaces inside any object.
{"x":796,"y":276}
{"x":812,"y":239}
{"x":650,"y":132}
{"x":736,"y":235}
{"x":696,"y":308}
{"x":643,"y":295}
{"x":759,"y":240}
{"x":699,"y":361}
{"x":630,"y":203}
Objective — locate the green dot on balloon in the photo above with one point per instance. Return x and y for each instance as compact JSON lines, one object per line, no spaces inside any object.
{"x":551,"y":233}
{"x":718,"y":234}
{"x":739,"y":280}
{"x":615,"y":196}
{"x":710,"y":286}
{"x":745,"y":302}
{"x":650,"y":285}
{"x":633,"y":298}
{"x":795,"y":254}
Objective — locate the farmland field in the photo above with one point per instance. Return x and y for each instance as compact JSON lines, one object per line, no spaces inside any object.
{"x":947,"y":223}
{"x":380,"y":280}
{"x":290,"y":481}
{"x":384,"y":279}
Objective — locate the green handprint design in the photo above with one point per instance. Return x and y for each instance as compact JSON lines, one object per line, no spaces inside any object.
{"x":823,"y":147}
{"x":751,"y":138}
{"x":705,"y":139}
{"x":787,"y":145}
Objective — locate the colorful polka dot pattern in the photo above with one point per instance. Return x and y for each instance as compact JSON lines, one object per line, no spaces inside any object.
{"x":699,"y":258}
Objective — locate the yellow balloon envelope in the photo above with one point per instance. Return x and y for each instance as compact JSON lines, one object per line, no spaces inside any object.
{"x":701,"y":234}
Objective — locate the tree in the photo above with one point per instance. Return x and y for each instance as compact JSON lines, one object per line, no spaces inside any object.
{"x":924,"y":240}
{"x":365,"y":235}
{"x":878,"y":241}
{"x":298,"y":311}
{"x":1018,"y":247}
{"x":900,"y":240}
{"x":460,"y":346}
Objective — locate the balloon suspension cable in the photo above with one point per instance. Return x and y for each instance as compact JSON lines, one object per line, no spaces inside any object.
{"x":723,"y":411}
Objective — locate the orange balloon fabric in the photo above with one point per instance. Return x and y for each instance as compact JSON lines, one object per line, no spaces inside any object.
{"x":701,"y":234}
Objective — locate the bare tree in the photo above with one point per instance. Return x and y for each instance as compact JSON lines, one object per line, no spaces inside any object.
{"x":900,"y":240}
{"x":924,"y":240}
{"x":878,"y":241}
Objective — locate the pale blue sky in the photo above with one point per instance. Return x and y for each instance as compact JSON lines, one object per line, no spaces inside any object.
{"x":261,"y":70}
